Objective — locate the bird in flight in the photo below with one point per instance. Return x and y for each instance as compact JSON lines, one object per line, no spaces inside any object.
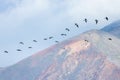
{"x":51,"y":37}
{"x":86,"y":40}
{"x":21,"y":43}
{"x":76,"y":25}
{"x":29,"y":47}
{"x":106,"y":18}
{"x":85,"y":20}
{"x":45,"y":38}
{"x":57,"y":41}
{"x":19,"y":50}
{"x":63,"y":34}
{"x":34,"y":40}
{"x":96,"y":21}
{"x":110,"y":38}
{"x":67,"y":29}
{"x":5,"y":51}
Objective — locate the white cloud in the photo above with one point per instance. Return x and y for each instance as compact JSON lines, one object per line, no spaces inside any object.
{"x":94,"y":8}
{"x":23,"y":10}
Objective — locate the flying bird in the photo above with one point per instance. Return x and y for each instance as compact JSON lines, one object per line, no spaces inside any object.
{"x":63,"y":34}
{"x":106,"y":18}
{"x":86,"y":40}
{"x":67,"y":29}
{"x":96,"y":21}
{"x":5,"y":51}
{"x":57,"y":41}
{"x":85,"y":20}
{"x":19,"y":50}
{"x":34,"y":40}
{"x":21,"y":43}
{"x":50,"y":37}
{"x":29,"y":47}
{"x":76,"y":25}
{"x":45,"y":38}
{"x":110,"y":38}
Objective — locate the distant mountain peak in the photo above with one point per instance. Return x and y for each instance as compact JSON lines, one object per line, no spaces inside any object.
{"x":113,"y":28}
{"x":93,"y":55}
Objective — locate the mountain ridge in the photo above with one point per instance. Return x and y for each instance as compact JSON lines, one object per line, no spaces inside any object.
{"x":87,"y":56}
{"x":113,"y":28}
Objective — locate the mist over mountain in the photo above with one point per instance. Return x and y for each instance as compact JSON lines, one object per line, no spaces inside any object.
{"x":92,"y":55}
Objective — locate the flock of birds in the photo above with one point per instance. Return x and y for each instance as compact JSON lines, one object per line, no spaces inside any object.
{"x":51,"y":37}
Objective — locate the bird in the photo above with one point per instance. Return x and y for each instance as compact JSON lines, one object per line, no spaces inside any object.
{"x":76,"y":25}
{"x":21,"y":43}
{"x":57,"y":41}
{"x":85,"y":20}
{"x":19,"y":50}
{"x":5,"y":51}
{"x":63,"y":34}
{"x":45,"y":38}
{"x":51,"y":37}
{"x":86,"y":40}
{"x":106,"y":18}
{"x":67,"y":29}
{"x":109,"y":38}
{"x":96,"y":21}
{"x":34,"y":40}
{"x":29,"y":47}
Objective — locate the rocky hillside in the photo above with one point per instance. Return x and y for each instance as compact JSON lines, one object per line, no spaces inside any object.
{"x":93,"y":55}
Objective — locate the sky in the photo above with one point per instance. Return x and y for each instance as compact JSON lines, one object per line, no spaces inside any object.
{"x":26,"y":20}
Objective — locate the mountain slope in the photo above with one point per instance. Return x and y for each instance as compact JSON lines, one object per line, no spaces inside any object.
{"x":113,"y":28}
{"x":93,"y":55}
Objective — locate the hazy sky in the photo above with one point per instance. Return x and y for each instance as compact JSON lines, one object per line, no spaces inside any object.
{"x":25,"y":20}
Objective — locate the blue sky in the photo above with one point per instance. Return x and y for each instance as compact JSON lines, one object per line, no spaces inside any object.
{"x":25,"y":20}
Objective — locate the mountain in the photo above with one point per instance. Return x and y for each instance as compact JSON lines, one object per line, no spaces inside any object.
{"x":1,"y":69}
{"x":113,"y":28}
{"x":93,"y":55}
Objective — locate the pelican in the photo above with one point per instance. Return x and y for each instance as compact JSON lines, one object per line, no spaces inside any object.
{"x":5,"y":51}
{"x":63,"y":34}
{"x":19,"y":50}
{"x":85,"y":20}
{"x":67,"y":29}
{"x":21,"y":43}
{"x":50,"y":37}
{"x":29,"y":47}
{"x":76,"y":25}
{"x":45,"y":38}
{"x":106,"y":18}
{"x":96,"y":21}
{"x":57,"y":41}
{"x":34,"y":40}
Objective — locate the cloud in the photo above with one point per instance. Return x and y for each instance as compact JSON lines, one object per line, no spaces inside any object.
{"x":94,"y":8}
{"x":21,"y":11}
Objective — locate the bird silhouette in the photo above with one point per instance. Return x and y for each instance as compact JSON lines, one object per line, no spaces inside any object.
{"x":34,"y":40}
{"x":96,"y":21}
{"x":85,"y":20}
{"x":57,"y":41}
{"x":110,"y":38}
{"x":19,"y":50}
{"x":76,"y":25}
{"x":29,"y":47}
{"x":5,"y":51}
{"x":67,"y":29}
{"x":51,"y":37}
{"x":21,"y":43}
{"x":45,"y":38}
{"x":106,"y":18}
{"x":63,"y":34}
{"x":86,"y":40}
